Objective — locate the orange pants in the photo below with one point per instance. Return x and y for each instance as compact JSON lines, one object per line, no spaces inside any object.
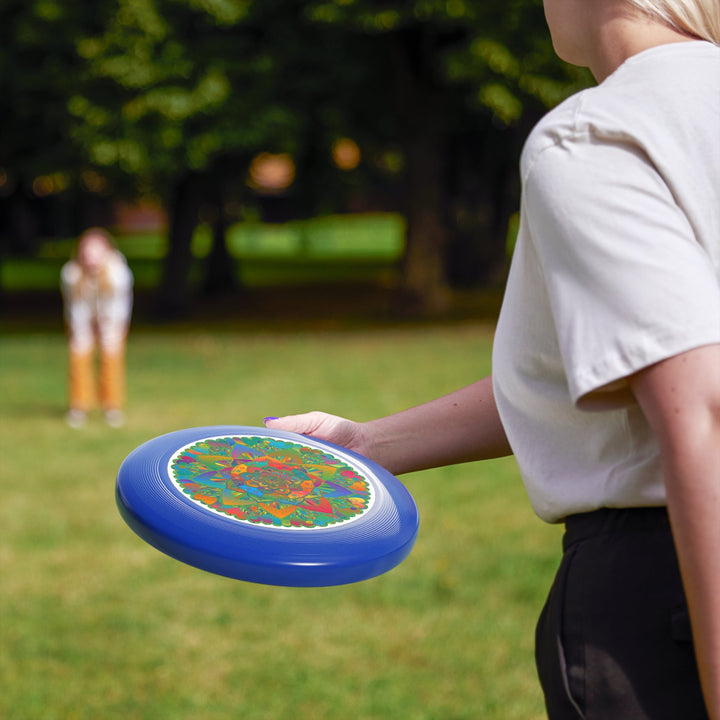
{"x":83,"y":390}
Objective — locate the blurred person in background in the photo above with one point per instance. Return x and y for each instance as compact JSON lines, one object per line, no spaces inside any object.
{"x":97,"y":294}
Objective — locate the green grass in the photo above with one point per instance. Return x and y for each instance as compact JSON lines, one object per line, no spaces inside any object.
{"x":32,"y":274}
{"x":96,"y":624}
{"x":340,"y":248}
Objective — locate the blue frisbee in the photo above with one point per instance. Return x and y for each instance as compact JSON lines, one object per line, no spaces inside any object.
{"x":267,"y":506}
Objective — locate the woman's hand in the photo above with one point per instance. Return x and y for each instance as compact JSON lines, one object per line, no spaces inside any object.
{"x":323,"y":426}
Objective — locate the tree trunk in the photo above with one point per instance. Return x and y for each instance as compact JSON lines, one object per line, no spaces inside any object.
{"x":485,"y":194}
{"x":175,"y":296}
{"x":425,"y":148}
{"x":424,"y":277}
{"x":220,"y":267}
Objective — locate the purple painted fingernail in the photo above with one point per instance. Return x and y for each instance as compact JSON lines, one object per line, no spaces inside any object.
{"x":270,"y":417}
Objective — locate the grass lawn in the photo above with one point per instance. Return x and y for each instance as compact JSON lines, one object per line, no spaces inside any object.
{"x":340,"y":248}
{"x":96,"y":624}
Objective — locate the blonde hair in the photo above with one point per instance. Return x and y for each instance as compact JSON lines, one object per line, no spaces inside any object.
{"x":699,"y":18}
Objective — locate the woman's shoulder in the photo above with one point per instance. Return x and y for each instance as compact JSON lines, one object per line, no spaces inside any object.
{"x":554,"y":128}
{"x":652,"y":99}
{"x":596,"y":114}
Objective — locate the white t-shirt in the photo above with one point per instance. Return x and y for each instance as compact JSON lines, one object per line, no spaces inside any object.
{"x":616,"y":267}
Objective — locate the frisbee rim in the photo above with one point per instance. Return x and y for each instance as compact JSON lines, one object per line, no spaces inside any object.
{"x":170,"y":521}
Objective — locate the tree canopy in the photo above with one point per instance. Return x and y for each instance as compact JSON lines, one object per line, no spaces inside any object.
{"x":175,"y":98}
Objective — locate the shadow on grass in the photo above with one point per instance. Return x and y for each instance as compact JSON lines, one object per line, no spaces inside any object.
{"x":34,"y":411}
{"x":266,"y":309}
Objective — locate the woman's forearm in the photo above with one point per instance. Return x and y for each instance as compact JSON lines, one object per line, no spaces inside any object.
{"x":460,"y":427}
{"x":694,"y":507}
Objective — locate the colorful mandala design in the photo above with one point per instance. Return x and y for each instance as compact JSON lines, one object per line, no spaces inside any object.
{"x":271,"y":482}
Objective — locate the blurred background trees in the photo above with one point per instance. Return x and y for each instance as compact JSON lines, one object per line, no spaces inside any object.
{"x":221,"y":111}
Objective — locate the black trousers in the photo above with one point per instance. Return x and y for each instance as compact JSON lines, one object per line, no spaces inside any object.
{"x":613,"y":641}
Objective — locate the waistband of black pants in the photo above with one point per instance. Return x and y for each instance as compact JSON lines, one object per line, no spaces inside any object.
{"x":606,"y":521}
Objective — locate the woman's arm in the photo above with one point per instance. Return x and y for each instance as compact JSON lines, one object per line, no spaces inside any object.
{"x":459,"y":427}
{"x":681,"y":400}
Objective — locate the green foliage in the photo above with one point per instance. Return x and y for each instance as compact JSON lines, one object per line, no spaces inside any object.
{"x":186,"y":81}
{"x":98,"y":624}
{"x":499,"y":53}
{"x":154,"y":87}
{"x":38,"y":69}
{"x":174,"y":98}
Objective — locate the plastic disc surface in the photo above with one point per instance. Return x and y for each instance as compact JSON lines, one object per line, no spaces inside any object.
{"x":267,"y":506}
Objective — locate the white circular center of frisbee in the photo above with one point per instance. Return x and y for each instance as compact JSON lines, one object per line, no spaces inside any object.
{"x":272,"y":482}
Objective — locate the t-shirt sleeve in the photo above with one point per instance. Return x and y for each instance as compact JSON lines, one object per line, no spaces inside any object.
{"x":629,"y":282}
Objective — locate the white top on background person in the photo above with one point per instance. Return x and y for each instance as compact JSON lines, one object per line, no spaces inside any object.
{"x":616,"y":339}
{"x":97,"y":289}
